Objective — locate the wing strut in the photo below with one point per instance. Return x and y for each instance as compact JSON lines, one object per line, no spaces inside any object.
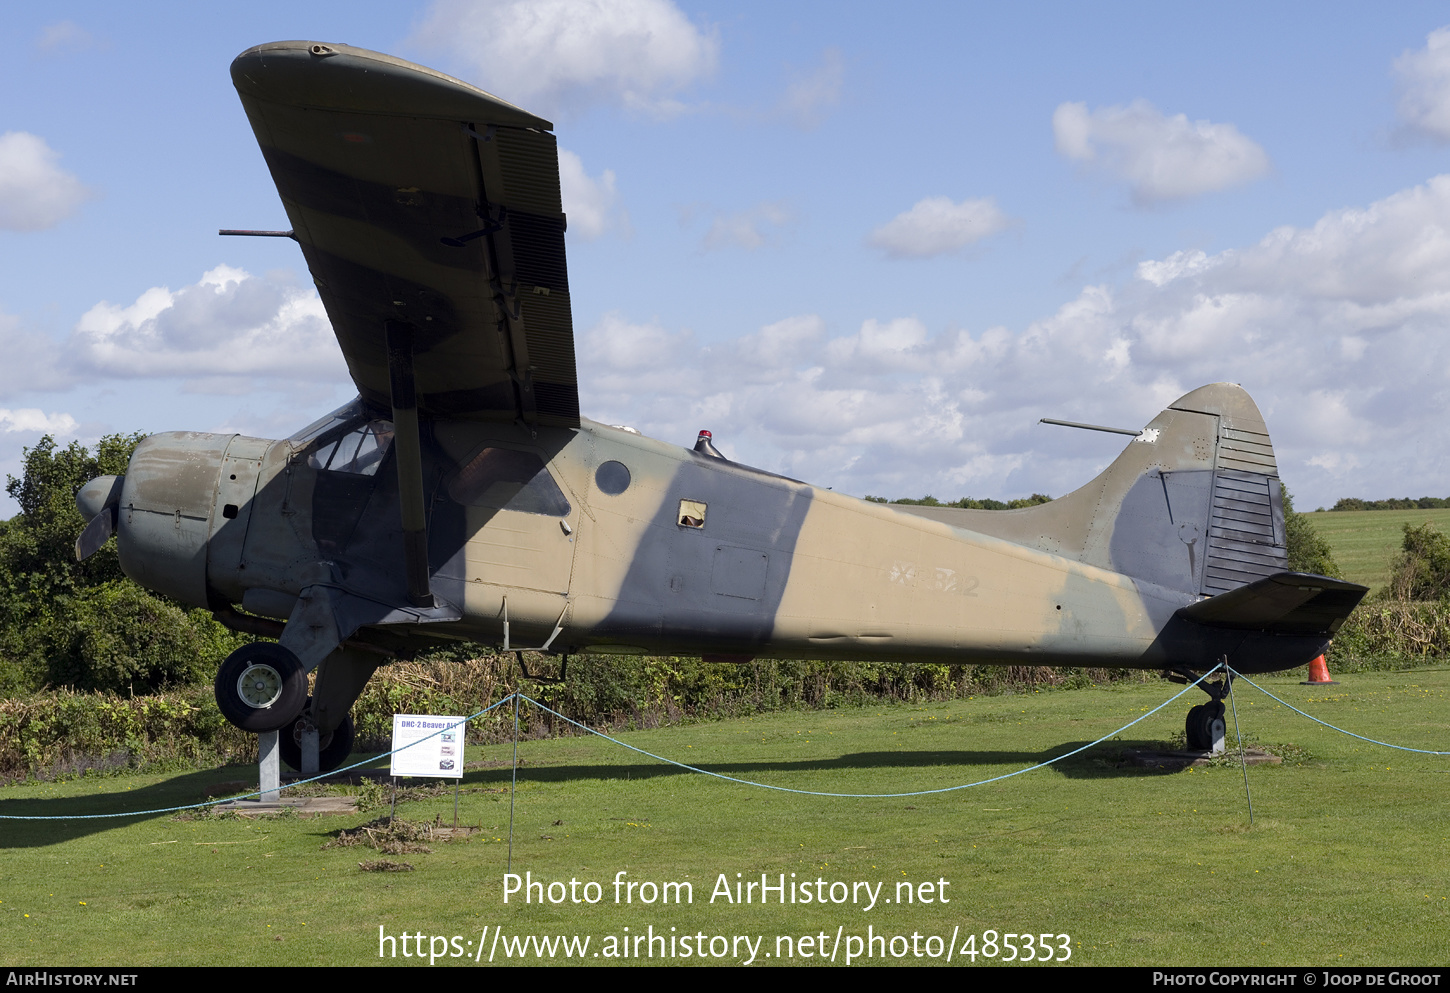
{"x":408,"y":449}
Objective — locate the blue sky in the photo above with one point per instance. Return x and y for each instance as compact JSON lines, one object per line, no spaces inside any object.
{"x":866,"y":250}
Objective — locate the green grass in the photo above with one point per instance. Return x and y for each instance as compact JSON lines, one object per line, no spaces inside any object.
{"x":1345,"y":863}
{"x":1366,"y":541}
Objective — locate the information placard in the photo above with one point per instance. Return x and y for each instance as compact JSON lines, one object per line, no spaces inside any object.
{"x":432,"y":753}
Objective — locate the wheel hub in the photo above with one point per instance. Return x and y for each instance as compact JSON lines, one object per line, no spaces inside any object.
{"x":304,"y":725}
{"x":259,"y":686}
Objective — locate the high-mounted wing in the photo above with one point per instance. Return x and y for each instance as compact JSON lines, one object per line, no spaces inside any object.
{"x":424,"y":204}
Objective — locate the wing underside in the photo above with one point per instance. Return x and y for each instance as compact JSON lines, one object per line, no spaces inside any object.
{"x":419,"y":199}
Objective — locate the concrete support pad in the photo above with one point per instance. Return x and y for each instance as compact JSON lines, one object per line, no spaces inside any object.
{"x":1182,"y":760}
{"x":305,"y":806}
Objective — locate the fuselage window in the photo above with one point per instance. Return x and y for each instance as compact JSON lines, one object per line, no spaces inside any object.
{"x":508,"y":480}
{"x":359,"y":452}
{"x":612,"y":477}
{"x":692,"y":514}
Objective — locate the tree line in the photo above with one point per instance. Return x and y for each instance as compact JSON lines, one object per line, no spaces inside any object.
{"x":1402,"y":503}
{"x":84,"y":625}
{"x":968,"y":503}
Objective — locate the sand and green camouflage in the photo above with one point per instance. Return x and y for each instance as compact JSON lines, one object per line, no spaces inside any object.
{"x":462,"y":495}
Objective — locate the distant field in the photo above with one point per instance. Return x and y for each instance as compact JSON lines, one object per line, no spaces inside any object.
{"x":1365,"y":541}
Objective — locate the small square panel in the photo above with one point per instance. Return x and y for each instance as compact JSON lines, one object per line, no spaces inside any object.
{"x":691,"y":515}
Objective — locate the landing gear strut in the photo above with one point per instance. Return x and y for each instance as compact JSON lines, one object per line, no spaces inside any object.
{"x":333,"y":747}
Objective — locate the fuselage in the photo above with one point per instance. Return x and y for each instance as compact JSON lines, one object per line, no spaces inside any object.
{"x":624,"y":543}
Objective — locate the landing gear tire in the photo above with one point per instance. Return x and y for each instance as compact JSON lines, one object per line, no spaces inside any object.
{"x":333,"y":748}
{"x":1205,"y":725}
{"x":261,"y":687}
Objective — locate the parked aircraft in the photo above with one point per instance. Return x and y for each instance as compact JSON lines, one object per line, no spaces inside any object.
{"x":462,"y":495}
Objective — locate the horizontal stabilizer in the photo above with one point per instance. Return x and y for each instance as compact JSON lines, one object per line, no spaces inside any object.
{"x":1289,"y":603}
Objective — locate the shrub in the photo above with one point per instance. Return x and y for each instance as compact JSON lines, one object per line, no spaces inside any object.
{"x":1308,"y":551}
{"x":1422,"y":569}
{"x":65,"y":733}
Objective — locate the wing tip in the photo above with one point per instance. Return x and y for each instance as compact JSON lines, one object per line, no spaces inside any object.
{"x":363,"y":81}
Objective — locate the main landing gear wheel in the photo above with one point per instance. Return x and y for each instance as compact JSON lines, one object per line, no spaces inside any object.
{"x":1205,"y":725}
{"x":261,"y":687}
{"x":333,"y":748}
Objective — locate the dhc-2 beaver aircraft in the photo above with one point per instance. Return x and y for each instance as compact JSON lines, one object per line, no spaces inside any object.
{"x":462,"y":496}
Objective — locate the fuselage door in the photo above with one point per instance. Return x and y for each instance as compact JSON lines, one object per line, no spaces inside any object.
{"x":519,"y":520}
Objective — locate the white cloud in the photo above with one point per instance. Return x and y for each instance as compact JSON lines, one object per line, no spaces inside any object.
{"x":1160,"y":271}
{"x":938,"y":226}
{"x":748,"y":229}
{"x":1425,"y":86}
{"x":227,"y":324}
{"x":879,"y":345}
{"x":777,"y":347}
{"x":592,"y":205}
{"x":1339,"y":331}
{"x":1161,"y":158}
{"x":811,"y":96}
{"x":35,"y":193}
{"x":561,"y":55}
{"x":64,"y":37}
{"x":617,"y":346}
{"x":1394,"y":251}
{"x":36,"y":421}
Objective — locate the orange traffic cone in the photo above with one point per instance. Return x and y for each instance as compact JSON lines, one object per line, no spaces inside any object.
{"x":1319,"y":674}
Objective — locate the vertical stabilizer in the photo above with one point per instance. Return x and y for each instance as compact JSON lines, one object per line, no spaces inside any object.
{"x":1193,"y":503}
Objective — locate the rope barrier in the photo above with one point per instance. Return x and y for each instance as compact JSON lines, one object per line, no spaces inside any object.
{"x":877,"y":796}
{"x":1372,"y":741}
{"x":516,"y":697}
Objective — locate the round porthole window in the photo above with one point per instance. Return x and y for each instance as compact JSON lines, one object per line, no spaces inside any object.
{"x":612,"y":478}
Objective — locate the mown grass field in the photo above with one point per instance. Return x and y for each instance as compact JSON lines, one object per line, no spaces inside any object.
{"x":1366,"y":541}
{"x":1345,"y":864}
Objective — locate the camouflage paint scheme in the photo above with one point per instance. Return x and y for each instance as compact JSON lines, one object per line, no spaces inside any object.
{"x":429,"y":214}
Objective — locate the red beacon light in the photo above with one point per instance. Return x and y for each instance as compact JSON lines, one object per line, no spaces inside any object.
{"x":705,"y":446}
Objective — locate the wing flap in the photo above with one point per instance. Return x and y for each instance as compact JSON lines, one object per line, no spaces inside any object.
{"x":418,"y":198}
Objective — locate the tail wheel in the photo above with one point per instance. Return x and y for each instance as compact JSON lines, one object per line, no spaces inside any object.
{"x":261,"y":687}
{"x":333,"y":747}
{"x":1205,"y":725}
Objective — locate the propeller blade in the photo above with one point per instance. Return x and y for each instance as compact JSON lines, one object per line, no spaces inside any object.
{"x":98,"y":501}
{"x":102,"y":526}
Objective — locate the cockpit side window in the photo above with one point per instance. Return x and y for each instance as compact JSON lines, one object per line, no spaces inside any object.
{"x":329,"y":424}
{"x":508,"y":480}
{"x":358,"y":452}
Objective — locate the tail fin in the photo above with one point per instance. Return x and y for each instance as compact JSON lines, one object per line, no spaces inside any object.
{"x":1193,"y":503}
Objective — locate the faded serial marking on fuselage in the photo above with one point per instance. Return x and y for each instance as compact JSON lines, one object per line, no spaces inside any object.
{"x":939,"y":579}
{"x":951,"y":581}
{"x":902,"y":573}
